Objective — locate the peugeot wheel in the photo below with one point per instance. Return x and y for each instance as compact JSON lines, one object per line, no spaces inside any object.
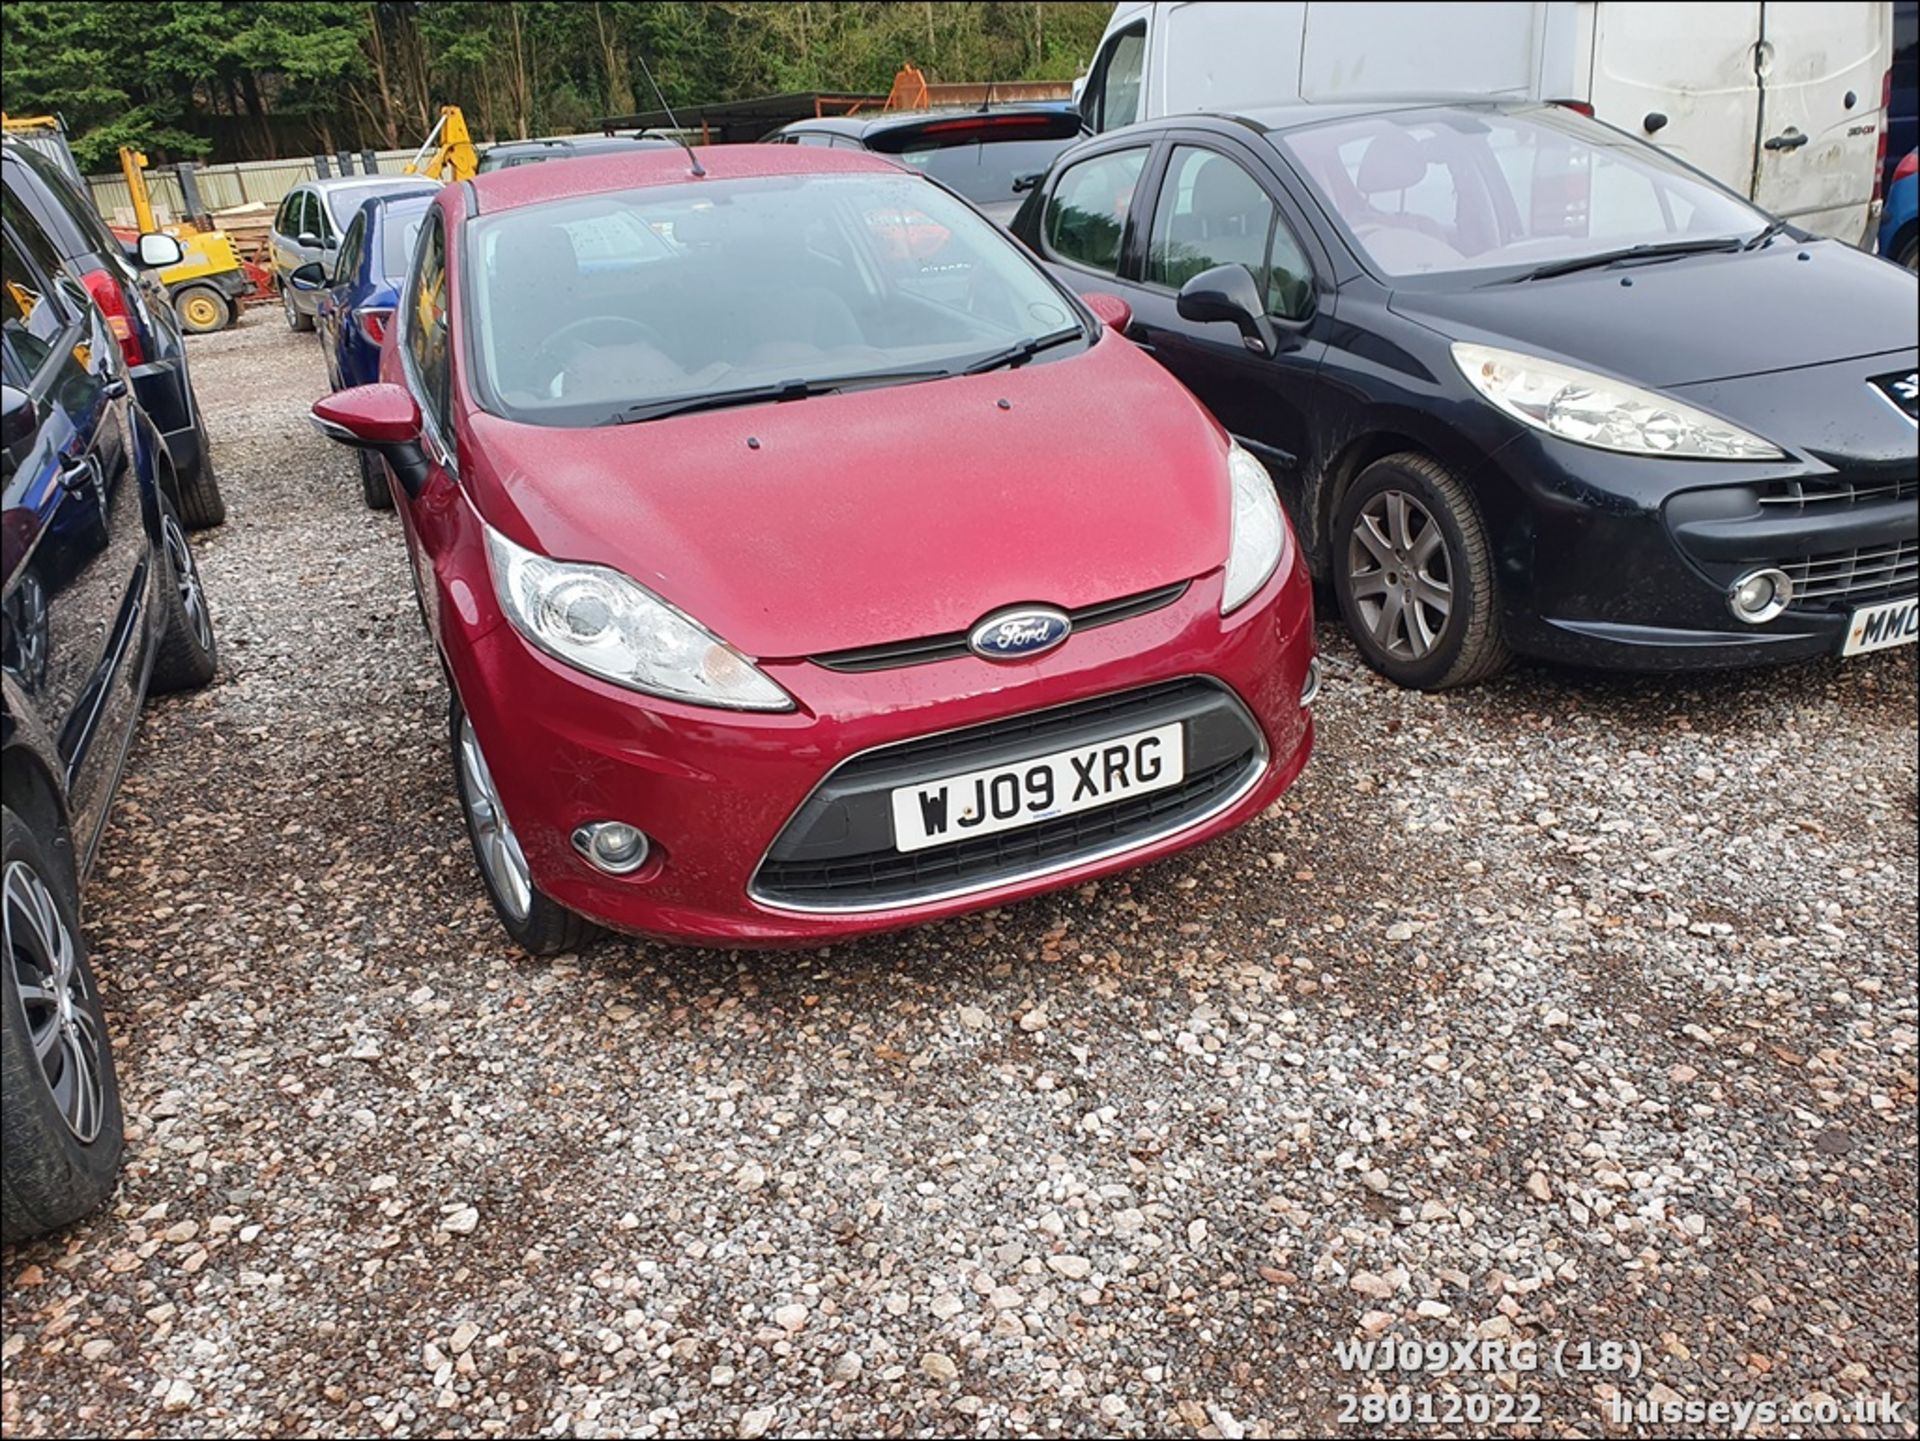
{"x":1414,"y":576}
{"x":540,"y":926}
{"x":61,"y":1124}
{"x":297,"y":319}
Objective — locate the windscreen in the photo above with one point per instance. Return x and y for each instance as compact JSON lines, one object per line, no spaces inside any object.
{"x":584,"y":310}
{"x":984,"y":171}
{"x":399,"y":228}
{"x":1432,"y":191}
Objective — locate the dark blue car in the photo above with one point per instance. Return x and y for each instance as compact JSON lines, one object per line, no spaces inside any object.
{"x":356,"y":301}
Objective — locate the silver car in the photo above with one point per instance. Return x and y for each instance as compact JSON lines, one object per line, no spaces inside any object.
{"x":309,"y":224}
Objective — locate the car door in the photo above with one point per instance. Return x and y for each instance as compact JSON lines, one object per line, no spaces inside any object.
{"x":288,"y":223}
{"x":76,"y":546}
{"x":1211,"y":202}
{"x":335,"y":302}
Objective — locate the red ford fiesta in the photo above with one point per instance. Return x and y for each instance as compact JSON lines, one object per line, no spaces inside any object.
{"x":806,"y":561}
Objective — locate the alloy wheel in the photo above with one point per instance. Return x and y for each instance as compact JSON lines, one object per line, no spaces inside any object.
{"x":1400,"y":575}
{"x":61,"y":1030}
{"x":186,"y":575}
{"x":292,"y":310}
{"x":494,"y":840}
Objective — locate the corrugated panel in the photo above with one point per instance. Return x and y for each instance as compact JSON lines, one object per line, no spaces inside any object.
{"x":265,"y":182}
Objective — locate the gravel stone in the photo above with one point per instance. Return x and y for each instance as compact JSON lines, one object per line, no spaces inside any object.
{"x":1651,"y":941}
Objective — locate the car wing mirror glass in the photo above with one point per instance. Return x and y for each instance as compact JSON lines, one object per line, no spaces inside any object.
{"x":158,"y":251}
{"x":17,"y":420}
{"x":1230,"y":293}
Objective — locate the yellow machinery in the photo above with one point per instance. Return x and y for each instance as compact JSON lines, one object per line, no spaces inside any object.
{"x":204,"y":285}
{"x":447,"y":154}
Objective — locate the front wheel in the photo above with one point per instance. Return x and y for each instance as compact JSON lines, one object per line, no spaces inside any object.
{"x":540,"y":926}
{"x":61,"y":1125}
{"x":1413,"y":573}
{"x":297,"y":319}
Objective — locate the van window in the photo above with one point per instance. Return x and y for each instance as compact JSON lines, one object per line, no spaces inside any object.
{"x":1086,"y":215}
{"x":1113,"y":94}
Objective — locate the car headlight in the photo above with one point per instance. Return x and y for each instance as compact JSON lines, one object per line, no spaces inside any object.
{"x":1590,"y":409}
{"x":1259,"y":536}
{"x":599,"y":621}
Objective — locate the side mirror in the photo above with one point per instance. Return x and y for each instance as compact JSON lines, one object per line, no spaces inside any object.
{"x":158,"y":251}
{"x":1114,"y":312}
{"x":1230,"y":293}
{"x":311,"y":276}
{"x":307,"y":239}
{"x":18,"y":420}
{"x":380,"y":417}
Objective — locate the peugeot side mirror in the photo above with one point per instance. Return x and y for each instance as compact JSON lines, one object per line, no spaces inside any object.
{"x":1230,"y":293}
{"x":311,"y":276}
{"x":381,"y":418}
{"x":306,"y":239}
{"x":158,"y":251}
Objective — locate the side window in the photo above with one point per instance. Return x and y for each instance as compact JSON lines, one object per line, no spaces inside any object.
{"x":1211,"y":212}
{"x":31,"y":314}
{"x":287,"y":219}
{"x":1086,"y":215}
{"x":812,"y":137}
{"x":348,"y":260}
{"x":1113,"y":94}
{"x":427,"y":323}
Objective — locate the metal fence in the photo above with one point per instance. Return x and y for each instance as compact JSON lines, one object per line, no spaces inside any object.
{"x":225,"y":186}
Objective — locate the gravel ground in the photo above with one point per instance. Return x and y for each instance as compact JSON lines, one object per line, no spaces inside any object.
{"x":1568,"y":1008}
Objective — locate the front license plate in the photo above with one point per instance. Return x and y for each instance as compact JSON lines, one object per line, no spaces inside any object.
{"x":1878,"y":627}
{"x":1003,"y":798}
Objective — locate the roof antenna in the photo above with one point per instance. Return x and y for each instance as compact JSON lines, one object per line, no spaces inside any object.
{"x":699,"y":171}
{"x":987,"y":104}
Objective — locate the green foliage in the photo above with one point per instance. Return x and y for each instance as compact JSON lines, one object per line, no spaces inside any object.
{"x":253,"y":80}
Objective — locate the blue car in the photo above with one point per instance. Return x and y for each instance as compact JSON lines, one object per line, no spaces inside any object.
{"x":1900,"y":221}
{"x":356,"y":302}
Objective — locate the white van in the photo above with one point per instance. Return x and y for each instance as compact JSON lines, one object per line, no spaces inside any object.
{"x":1780,"y":100}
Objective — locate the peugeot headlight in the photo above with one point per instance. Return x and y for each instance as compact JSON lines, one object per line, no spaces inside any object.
{"x":1608,"y":414}
{"x":1259,"y":536}
{"x":598,"y":621}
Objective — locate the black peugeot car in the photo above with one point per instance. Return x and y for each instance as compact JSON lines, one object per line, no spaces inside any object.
{"x":138,"y":311}
{"x":1526,"y":383}
{"x":100,"y":603}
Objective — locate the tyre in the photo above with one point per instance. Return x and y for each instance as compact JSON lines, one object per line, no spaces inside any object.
{"x":197,"y":498}
{"x":185,"y":655}
{"x":373,"y":481}
{"x":297,"y":320}
{"x":538,"y":925}
{"x":202,"y":309}
{"x":61,"y":1122}
{"x":1910,"y":252}
{"x":1413,"y":574}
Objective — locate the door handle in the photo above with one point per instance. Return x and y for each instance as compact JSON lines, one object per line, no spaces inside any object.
{"x":114,"y":388}
{"x":1791,"y":140}
{"x":77,"y":474}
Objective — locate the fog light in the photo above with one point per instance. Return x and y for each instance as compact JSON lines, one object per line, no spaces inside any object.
{"x":612,"y":846}
{"x":1760,"y":595}
{"x":1310,"y":687}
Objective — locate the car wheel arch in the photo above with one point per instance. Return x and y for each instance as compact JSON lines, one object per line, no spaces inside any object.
{"x":1328,"y":483}
{"x":37,"y":798}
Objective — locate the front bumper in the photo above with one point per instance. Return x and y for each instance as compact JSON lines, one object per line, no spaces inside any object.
{"x":1625,"y":562}
{"x":714,"y":790}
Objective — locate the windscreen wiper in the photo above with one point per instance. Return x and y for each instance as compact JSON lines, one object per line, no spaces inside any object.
{"x":1661,"y":250}
{"x":767,"y":394}
{"x":1774,"y":227}
{"x":1020,"y":354}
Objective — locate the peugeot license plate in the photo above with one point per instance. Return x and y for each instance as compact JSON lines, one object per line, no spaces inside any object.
{"x":1003,"y":798}
{"x":1880,"y":627}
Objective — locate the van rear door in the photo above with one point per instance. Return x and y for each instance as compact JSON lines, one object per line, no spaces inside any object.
{"x":1821,"y":66}
{"x":1682,"y":77}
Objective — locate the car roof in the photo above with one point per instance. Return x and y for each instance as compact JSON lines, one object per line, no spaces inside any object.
{"x":881,"y":121}
{"x":377,"y":205}
{"x":1278,"y":119}
{"x":641,"y":167}
{"x":578,"y":142}
{"x":330,"y":183}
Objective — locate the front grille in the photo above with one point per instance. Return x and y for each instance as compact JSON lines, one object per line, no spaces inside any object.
{"x":926,"y":649}
{"x":1854,"y":576}
{"x":1788,"y":496}
{"x":837,"y":852}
